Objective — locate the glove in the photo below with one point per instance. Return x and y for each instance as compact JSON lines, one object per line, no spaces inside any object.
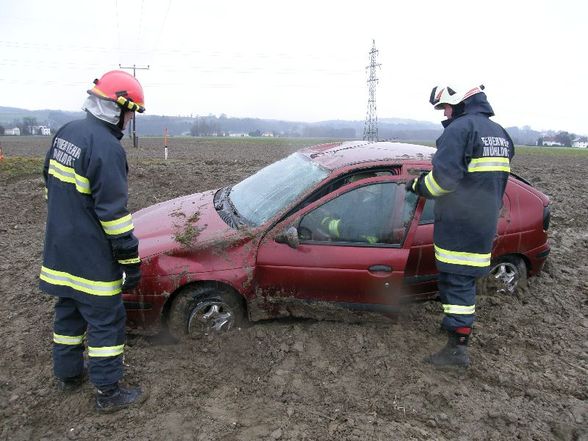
{"x":126,"y":252}
{"x":131,"y":276}
{"x":414,"y":185}
{"x":410,"y":186}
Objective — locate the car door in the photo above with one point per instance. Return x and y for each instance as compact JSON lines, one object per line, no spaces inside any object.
{"x":352,"y":251}
{"x":422,"y":275}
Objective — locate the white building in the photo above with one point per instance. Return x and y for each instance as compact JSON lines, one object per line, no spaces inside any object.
{"x":40,"y":130}
{"x":12,"y":132}
{"x":550,"y":141}
{"x":580,"y":142}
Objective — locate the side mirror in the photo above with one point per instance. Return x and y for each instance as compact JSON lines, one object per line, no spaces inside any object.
{"x":290,"y":237}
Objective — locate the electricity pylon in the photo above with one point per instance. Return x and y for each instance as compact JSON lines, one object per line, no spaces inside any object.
{"x":370,"y":129}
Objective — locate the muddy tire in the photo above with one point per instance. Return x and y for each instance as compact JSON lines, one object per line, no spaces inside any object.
{"x":508,"y":275}
{"x":198,"y":311}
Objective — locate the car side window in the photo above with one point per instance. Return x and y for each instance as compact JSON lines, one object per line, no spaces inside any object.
{"x":428,"y":214}
{"x":343,"y":180}
{"x":367,"y":215}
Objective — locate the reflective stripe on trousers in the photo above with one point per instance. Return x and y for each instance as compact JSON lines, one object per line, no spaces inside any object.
{"x":105,"y":351}
{"x":459,"y":309}
{"x":72,"y":340}
{"x":458,"y":296}
{"x":105,"y":334}
{"x":462,"y":258}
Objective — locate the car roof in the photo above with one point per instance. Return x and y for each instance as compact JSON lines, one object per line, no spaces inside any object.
{"x":343,"y":154}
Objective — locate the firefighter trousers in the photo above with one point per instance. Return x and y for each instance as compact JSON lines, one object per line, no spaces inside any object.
{"x":458,"y":296}
{"x":103,"y":328}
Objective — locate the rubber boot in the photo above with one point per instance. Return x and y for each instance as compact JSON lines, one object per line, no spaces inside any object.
{"x":454,"y":353}
{"x":114,"y":398}
{"x":70,"y":384}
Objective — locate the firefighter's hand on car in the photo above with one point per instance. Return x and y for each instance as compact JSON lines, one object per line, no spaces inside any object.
{"x":410,"y":185}
{"x":415,"y":185}
{"x":131,"y":277}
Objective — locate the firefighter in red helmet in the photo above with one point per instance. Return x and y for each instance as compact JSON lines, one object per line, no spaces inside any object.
{"x":91,"y":254}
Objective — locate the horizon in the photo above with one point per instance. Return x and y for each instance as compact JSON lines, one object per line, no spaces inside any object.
{"x":399,"y":119}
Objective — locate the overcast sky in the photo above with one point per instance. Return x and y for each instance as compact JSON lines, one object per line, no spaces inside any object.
{"x":303,"y":60}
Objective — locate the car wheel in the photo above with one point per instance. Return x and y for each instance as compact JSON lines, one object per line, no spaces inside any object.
{"x":203,"y":310}
{"x":507,"y":275}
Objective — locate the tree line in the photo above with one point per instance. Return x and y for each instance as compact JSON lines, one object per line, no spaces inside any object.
{"x":25,"y":125}
{"x":563,"y":138}
{"x":222,"y":125}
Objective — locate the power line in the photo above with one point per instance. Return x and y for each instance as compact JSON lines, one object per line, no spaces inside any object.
{"x":370,"y":129}
{"x":135,"y":68}
{"x":117,"y":24}
{"x":156,"y":46}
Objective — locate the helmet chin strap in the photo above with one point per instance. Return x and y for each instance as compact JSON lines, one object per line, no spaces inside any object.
{"x":121,"y":120}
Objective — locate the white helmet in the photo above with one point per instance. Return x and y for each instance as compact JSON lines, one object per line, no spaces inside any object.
{"x":441,"y":95}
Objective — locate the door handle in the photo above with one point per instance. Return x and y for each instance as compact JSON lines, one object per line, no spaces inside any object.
{"x":380,"y":269}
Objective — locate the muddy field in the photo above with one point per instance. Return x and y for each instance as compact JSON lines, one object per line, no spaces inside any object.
{"x":305,"y":379}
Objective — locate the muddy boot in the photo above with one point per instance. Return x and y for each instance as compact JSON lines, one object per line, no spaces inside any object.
{"x":70,"y":384}
{"x":114,"y":398}
{"x":453,"y":354}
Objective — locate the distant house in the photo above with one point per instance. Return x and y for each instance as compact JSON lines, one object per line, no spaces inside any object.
{"x":41,"y":130}
{"x":12,"y":132}
{"x":267,"y":134}
{"x":581,"y":142}
{"x":238,"y":135}
{"x":551,"y":141}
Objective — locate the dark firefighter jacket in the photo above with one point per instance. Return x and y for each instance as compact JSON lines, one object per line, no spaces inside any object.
{"x":89,"y":229}
{"x":468,"y":179}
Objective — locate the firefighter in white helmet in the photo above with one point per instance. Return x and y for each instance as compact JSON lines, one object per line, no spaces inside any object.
{"x":468,"y":179}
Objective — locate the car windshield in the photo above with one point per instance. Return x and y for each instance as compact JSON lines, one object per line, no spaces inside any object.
{"x":273,"y":188}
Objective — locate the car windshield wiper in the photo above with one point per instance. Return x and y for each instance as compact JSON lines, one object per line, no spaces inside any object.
{"x":241,"y":220}
{"x":226,"y":210}
{"x":220,"y":197}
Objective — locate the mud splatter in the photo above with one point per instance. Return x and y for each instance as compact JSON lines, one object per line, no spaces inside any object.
{"x":186,"y":232}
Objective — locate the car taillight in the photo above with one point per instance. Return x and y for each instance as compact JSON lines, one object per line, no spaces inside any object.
{"x":546,"y":217}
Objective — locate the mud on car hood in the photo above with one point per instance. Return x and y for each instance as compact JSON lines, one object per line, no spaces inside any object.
{"x":185,"y":224}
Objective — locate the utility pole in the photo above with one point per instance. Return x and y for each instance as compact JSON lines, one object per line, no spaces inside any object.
{"x":134,"y":124}
{"x":370,"y":129}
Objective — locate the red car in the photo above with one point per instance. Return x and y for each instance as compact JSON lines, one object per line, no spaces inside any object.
{"x":330,"y":226}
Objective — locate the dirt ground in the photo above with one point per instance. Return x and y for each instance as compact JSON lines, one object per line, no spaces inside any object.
{"x":305,"y":379}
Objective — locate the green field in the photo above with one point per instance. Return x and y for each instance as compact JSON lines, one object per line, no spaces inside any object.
{"x":551,"y":151}
{"x":19,"y":166}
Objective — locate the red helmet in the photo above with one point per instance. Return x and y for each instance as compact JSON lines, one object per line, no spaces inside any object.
{"x":122,"y":88}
